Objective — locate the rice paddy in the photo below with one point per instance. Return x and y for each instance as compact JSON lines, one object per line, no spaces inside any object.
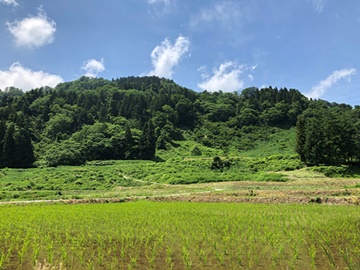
{"x":179,"y":235}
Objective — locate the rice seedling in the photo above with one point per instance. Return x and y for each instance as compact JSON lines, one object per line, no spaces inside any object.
{"x":186,"y":257}
{"x":147,"y":235}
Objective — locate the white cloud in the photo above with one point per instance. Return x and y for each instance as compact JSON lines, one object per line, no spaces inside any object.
{"x":319,"y":5}
{"x":26,"y":79}
{"x":166,"y":56}
{"x":93,"y":67}
{"x":227,"y":13}
{"x":226,"y":78}
{"x":9,"y":2}
{"x":320,"y":89}
{"x":34,"y":31}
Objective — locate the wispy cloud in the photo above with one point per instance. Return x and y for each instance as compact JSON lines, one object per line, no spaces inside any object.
{"x":93,"y":67}
{"x":226,"y":78}
{"x":26,"y":79}
{"x":166,"y":56}
{"x":320,"y":89}
{"x":226,"y":14}
{"x":9,"y":2}
{"x":161,"y":2}
{"x":319,"y":5}
{"x":34,"y":31}
{"x":162,"y":6}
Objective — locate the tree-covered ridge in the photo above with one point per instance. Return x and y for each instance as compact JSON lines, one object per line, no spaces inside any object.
{"x":129,"y":118}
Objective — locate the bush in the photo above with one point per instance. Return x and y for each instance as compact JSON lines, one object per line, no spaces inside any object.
{"x":196,"y":151}
{"x":332,"y":171}
{"x":64,"y":153}
{"x":220,"y":164}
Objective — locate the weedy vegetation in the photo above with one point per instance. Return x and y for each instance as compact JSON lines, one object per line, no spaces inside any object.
{"x":97,"y":177}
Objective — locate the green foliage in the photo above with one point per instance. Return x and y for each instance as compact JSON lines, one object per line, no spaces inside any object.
{"x":8,"y":151}
{"x":330,"y":171}
{"x":327,"y":134}
{"x":47,"y":183}
{"x":338,"y":171}
{"x":196,"y":151}
{"x":144,"y":117}
{"x":219,"y":164}
{"x":282,"y":163}
{"x":147,"y":142}
{"x":16,"y":147}
{"x":272,"y":142}
{"x":64,"y":153}
{"x":58,"y":127}
{"x":10,"y":92}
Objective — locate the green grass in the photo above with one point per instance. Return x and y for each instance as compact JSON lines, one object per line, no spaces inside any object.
{"x":97,"y":177}
{"x":282,"y":142}
{"x":146,"y":235}
{"x":62,"y":182}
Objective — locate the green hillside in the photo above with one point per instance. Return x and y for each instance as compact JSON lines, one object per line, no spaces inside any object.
{"x":138,"y":131}
{"x":136,"y":118}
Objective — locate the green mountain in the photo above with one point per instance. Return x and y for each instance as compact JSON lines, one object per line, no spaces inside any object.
{"x":153,"y":118}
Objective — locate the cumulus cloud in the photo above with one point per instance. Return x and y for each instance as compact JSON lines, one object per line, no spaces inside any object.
{"x":319,"y":5}
{"x":166,"y":56}
{"x":93,"y":67}
{"x":26,"y":79}
{"x":226,"y":78}
{"x":320,"y":89}
{"x":34,"y":31}
{"x":9,"y":2}
{"x":226,"y":13}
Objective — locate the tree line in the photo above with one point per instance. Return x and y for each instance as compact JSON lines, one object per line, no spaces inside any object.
{"x":130,"y":118}
{"x":329,"y":134}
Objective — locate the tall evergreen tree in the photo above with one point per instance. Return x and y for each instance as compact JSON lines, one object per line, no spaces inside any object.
{"x":9,"y":152}
{"x":24,"y":152}
{"x":129,"y":143}
{"x":2,"y":136}
{"x":147,"y":142}
{"x":300,"y":138}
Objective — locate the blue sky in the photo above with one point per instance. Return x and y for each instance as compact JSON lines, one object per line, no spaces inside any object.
{"x":228,"y":45}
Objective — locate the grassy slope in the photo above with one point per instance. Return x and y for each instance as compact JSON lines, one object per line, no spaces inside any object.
{"x":282,"y":142}
{"x":266,"y":167}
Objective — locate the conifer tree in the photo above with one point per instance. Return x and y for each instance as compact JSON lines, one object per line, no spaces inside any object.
{"x":2,"y":136}
{"x":24,"y":152}
{"x":147,"y":143}
{"x":8,"y":153}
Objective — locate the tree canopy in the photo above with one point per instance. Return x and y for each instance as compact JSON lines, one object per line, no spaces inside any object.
{"x":130,"y":118}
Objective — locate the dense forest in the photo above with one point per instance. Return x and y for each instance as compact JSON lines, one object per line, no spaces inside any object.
{"x":130,"y":118}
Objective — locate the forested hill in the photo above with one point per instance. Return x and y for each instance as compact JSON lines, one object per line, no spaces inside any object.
{"x":131,"y":118}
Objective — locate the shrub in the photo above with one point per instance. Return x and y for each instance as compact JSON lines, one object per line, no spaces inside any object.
{"x":332,"y":171}
{"x":271,"y":177}
{"x":219,"y":164}
{"x":196,"y":151}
